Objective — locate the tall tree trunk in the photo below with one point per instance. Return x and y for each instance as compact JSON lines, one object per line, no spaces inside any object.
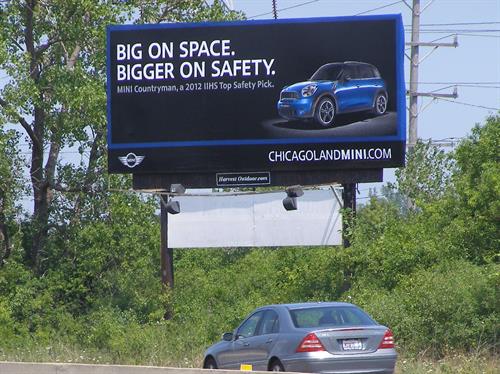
{"x":5,"y":244}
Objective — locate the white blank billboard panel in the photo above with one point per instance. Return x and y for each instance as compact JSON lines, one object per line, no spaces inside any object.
{"x":255,"y":221}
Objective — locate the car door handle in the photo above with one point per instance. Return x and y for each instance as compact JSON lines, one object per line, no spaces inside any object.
{"x":269,"y":341}
{"x":246,"y":344}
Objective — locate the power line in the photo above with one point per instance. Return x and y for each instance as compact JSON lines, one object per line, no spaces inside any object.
{"x":480,"y":36}
{"x":286,"y":8}
{"x":454,"y":31}
{"x":461,"y":23}
{"x":380,"y":7}
{"x":476,"y":86}
{"x":466,"y":86}
{"x":468,"y":104}
{"x":458,"y":82}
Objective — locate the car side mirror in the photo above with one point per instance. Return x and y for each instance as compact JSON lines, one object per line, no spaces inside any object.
{"x":227,"y":336}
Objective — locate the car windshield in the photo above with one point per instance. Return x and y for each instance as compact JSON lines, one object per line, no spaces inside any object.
{"x":337,"y":316}
{"x":327,"y":73}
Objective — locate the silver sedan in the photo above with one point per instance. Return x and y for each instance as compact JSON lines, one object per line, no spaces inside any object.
{"x":306,"y":337}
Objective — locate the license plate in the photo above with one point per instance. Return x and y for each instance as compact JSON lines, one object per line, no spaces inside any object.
{"x":352,"y":345}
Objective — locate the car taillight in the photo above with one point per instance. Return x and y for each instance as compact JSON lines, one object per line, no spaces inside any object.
{"x":387,"y":340}
{"x":310,"y":343}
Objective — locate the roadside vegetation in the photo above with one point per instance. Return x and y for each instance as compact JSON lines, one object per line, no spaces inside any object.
{"x":79,"y":276}
{"x":426,"y":265}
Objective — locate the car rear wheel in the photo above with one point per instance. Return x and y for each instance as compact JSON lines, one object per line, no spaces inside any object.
{"x":380,"y":106}
{"x":325,"y":112}
{"x":210,"y":364}
{"x":276,"y":366}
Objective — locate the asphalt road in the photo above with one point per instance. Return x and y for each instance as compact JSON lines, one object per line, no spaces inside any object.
{"x":357,"y":125}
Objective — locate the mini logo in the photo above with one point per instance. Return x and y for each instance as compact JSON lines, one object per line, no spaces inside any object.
{"x":131,"y":160}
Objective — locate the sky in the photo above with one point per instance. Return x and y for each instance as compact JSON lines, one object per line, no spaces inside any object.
{"x":473,"y":67}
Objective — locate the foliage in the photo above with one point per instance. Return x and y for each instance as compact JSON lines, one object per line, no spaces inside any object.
{"x":80,"y":276}
{"x":11,"y":189}
{"x":453,"y":305}
{"x":459,"y":363}
{"x":53,"y":53}
{"x":477,"y":186}
{"x":426,"y":175}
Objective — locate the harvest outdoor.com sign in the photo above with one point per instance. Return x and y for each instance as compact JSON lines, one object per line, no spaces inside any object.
{"x":256,"y":96}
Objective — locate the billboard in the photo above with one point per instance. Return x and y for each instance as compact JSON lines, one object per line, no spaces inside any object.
{"x":257,"y":220}
{"x":246,"y":99}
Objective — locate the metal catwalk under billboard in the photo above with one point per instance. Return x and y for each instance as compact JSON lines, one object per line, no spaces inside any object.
{"x":256,"y":96}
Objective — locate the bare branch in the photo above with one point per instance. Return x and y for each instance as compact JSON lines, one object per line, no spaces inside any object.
{"x":167,"y":10}
{"x":17,"y":44}
{"x":74,"y":56}
{"x":89,"y":173}
{"x":23,"y":123}
{"x":29,"y":39}
{"x":42,"y":48}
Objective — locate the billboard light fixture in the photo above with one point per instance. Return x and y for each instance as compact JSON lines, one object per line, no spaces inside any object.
{"x":177,"y":188}
{"x":290,"y":203}
{"x":294,"y":191}
{"x":173,"y":207}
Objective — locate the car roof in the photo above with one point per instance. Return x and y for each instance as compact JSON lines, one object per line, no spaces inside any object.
{"x":348,"y":63}
{"x":319,"y":304}
{"x":356,"y":63}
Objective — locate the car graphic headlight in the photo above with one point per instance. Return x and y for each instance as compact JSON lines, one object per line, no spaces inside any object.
{"x":309,"y":90}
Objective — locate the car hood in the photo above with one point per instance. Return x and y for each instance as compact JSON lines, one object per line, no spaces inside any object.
{"x":299,"y":86}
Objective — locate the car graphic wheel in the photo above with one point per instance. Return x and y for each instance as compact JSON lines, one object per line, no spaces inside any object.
{"x":325,"y":112}
{"x":276,"y":366}
{"x":210,"y":364}
{"x":380,"y":104}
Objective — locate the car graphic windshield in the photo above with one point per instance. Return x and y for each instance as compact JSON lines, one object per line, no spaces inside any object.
{"x":327,"y":73}
{"x":330,"y":317}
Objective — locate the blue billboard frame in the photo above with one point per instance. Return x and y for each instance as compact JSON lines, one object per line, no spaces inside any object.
{"x":400,"y":84}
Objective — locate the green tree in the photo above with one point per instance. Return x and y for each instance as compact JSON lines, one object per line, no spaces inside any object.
{"x":476,"y":201}
{"x":53,"y":53}
{"x":11,"y":188}
{"x":426,"y":176}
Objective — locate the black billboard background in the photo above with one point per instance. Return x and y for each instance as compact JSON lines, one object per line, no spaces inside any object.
{"x":298,"y":49}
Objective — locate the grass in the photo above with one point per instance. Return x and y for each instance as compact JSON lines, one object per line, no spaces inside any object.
{"x":452,"y":364}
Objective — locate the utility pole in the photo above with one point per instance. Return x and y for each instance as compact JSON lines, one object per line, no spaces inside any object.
{"x":415,"y":35}
{"x":275,"y":10}
{"x":415,"y":62}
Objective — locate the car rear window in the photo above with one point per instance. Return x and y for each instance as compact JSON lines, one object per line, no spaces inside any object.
{"x":327,"y":73}
{"x":337,"y":316}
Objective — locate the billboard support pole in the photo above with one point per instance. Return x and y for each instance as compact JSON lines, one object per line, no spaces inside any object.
{"x":166,"y":254}
{"x":349,"y":206}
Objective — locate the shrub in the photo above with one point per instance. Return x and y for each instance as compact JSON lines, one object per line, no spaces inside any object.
{"x":452,"y":306}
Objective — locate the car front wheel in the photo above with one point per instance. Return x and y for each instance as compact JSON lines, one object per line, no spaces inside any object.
{"x":325,"y":112}
{"x":380,"y":106}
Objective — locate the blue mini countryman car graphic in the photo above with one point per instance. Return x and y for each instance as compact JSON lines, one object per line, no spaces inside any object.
{"x":335,"y":88}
